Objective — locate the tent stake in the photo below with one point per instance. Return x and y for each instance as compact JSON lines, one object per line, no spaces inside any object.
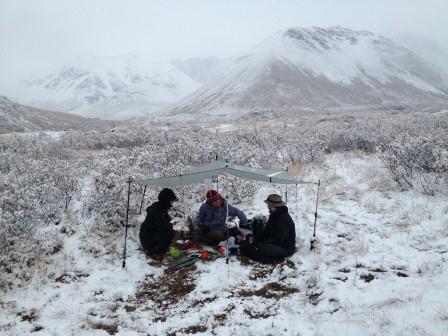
{"x":313,"y":240}
{"x":143,"y":197}
{"x":127,"y":219}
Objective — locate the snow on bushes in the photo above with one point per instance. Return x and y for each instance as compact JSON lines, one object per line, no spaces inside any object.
{"x":419,"y":162}
{"x":37,"y":184}
{"x":41,"y":177}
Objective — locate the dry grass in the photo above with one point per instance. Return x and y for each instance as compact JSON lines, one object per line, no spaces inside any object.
{"x":260,"y":271}
{"x":367,"y":277}
{"x":203,"y":302}
{"x":296,"y":169}
{"x":379,"y":179}
{"x":110,"y":328}
{"x":189,"y":330}
{"x":272,"y":290}
{"x":109,"y":244}
{"x":220,"y":318}
{"x":30,"y":316}
{"x":257,"y":315}
{"x":168,"y":290}
{"x":70,"y":277}
{"x":314,"y":297}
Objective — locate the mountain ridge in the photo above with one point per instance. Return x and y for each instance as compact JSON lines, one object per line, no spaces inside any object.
{"x":296,"y":70}
{"x":314,"y":69}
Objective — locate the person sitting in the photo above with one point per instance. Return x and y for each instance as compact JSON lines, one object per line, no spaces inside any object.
{"x":279,"y":237}
{"x":156,"y":232}
{"x":211,"y":219}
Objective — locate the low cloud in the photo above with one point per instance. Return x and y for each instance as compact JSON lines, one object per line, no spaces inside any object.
{"x":39,"y":35}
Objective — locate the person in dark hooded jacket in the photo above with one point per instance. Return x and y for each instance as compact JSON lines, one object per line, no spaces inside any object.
{"x":156,"y":232}
{"x":278,"y":239}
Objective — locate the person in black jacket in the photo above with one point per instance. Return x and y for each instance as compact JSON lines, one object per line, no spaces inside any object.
{"x":278,"y":239}
{"x":156,"y":232}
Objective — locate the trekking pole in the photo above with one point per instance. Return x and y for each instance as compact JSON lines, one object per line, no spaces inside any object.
{"x":313,"y":240}
{"x":127,"y":219}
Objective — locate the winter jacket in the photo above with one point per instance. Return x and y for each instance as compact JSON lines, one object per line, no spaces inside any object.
{"x":156,"y":231}
{"x":280,"y":230}
{"x":210,"y":218}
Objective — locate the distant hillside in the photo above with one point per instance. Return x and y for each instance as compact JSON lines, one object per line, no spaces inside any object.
{"x":20,"y":118}
{"x":316,"y":69}
{"x":114,"y":88}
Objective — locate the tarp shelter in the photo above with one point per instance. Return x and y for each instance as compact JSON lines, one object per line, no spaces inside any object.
{"x":215,"y":168}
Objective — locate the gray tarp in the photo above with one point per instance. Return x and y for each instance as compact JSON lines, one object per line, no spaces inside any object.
{"x":215,"y":168}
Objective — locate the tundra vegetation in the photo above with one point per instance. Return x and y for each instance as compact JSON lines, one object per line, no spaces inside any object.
{"x":80,"y":177}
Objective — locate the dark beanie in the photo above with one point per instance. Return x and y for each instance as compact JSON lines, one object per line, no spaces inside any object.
{"x":167,"y":196}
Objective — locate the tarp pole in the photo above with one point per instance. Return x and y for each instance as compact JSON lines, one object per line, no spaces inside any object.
{"x":227,"y":225}
{"x":127,"y":219}
{"x":313,"y":240}
{"x":297,"y":207}
{"x":217,"y":176}
{"x":143,"y":197}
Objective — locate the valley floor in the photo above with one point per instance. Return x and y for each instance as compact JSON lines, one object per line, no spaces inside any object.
{"x":381,"y":268}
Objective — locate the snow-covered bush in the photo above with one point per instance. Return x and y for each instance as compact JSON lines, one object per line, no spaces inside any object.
{"x":352,"y":137}
{"x":37,"y":184}
{"x":307,"y":151}
{"x":41,"y":176}
{"x":417,"y":162}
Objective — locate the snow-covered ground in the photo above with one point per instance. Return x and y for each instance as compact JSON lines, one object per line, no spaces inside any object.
{"x":380,"y":269}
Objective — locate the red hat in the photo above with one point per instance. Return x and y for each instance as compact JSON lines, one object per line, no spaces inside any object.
{"x":212,"y":195}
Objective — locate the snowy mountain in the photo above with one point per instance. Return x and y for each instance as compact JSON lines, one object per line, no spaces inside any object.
{"x":203,"y":69}
{"x":293,"y":71}
{"x":19,"y":118}
{"x":430,"y":50}
{"x":319,"y":69}
{"x":111,"y":88}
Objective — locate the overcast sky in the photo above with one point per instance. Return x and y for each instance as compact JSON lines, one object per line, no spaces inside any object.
{"x":36,"y":34}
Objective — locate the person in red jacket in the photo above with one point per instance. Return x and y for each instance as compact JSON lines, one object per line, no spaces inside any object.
{"x":211,"y":219}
